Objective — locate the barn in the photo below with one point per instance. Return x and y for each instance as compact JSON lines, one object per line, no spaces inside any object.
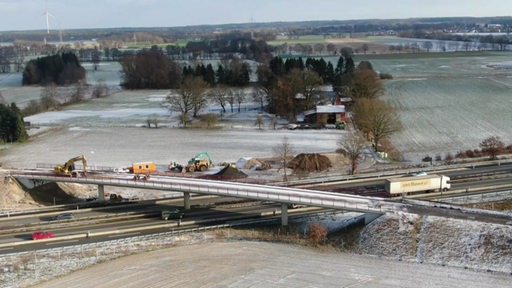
{"x":333,"y":114}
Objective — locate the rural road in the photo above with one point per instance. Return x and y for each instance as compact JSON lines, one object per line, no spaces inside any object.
{"x":261,"y":264}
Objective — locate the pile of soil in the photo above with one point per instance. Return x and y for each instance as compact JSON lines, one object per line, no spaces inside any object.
{"x":13,"y":196}
{"x":51,"y":193}
{"x":309,"y":162}
{"x":227,"y":173}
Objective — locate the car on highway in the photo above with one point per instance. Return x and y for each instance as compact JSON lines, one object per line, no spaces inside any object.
{"x":172,"y":214}
{"x":62,"y":216}
{"x":42,"y":235}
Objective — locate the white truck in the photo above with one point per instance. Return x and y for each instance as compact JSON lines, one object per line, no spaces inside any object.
{"x":417,"y":184}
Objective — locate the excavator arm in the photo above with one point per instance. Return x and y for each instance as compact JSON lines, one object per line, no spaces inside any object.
{"x":69,"y":166}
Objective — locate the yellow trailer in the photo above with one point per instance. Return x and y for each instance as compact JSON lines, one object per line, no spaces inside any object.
{"x":142,"y":170}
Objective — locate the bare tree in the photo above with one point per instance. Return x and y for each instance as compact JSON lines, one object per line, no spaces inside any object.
{"x":331,"y":48}
{"x":259,"y":121}
{"x":376,"y":119}
{"x":220,"y":95}
{"x":284,"y":152}
{"x":239,"y":96}
{"x":259,"y":96}
{"x":152,"y":120}
{"x":48,"y":98}
{"x":352,"y":147}
{"x":78,"y":94}
{"x":100,"y":89}
{"x":366,"y":84}
{"x":273,"y":122}
{"x":231,"y":99}
{"x":191,"y":98}
{"x":196,"y":87}
{"x":210,"y":119}
{"x":364,"y":47}
{"x":492,"y":146}
{"x":427,"y":45}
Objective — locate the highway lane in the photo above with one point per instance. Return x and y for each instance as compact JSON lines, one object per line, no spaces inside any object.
{"x":466,"y":179}
{"x":74,"y":232}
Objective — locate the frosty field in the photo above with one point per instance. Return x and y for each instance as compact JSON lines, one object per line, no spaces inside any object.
{"x":449,"y":104}
{"x":446,"y":103}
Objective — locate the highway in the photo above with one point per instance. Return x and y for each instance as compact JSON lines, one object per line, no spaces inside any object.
{"x":482,"y":178}
{"x":120,"y":221}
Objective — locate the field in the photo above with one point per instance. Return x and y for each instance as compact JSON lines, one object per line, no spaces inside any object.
{"x":447,"y":104}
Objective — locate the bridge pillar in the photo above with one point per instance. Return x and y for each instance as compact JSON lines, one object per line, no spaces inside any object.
{"x":186,"y":200}
{"x":101,"y":192}
{"x":284,"y":214}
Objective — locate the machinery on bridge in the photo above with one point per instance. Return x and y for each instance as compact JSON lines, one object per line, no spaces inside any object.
{"x":200,"y":162}
{"x":69,"y":168}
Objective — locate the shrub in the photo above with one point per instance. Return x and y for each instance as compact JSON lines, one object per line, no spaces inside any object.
{"x":316,"y":232}
{"x":385,"y":76}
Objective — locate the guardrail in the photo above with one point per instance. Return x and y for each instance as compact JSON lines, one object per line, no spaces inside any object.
{"x":478,"y":198}
{"x":234,"y":189}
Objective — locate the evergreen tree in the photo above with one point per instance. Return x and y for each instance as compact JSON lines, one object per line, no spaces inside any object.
{"x":12,"y":126}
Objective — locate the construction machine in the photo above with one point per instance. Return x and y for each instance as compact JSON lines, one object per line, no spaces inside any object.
{"x":200,"y":162}
{"x":68,"y":168}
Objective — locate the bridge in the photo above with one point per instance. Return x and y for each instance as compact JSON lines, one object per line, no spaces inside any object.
{"x":373,"y":207}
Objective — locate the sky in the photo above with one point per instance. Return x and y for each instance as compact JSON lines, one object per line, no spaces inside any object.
{"x":75,"y":14}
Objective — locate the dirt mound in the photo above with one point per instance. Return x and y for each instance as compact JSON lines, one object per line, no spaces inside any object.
{"x":13,"y":196}
{"x":309,"y":162}
{"x":51,"y":193}
{"x":228,"y":172}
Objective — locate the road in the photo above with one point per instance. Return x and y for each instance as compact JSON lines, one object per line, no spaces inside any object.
{"x":125,"y":221}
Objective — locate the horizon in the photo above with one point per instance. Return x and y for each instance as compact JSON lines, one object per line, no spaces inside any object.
{"x":36,"y":15}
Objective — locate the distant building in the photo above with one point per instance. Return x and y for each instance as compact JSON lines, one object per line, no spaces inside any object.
{"x":334,"y":113}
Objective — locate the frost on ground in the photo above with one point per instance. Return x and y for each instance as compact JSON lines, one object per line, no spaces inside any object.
{"x":441,"y":241}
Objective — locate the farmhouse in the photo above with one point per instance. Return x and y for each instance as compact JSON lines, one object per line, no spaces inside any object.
{"x":333,"y":114}
{"x":330,"y":113}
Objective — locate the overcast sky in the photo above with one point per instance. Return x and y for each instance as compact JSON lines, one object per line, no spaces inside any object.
{"x":71,"y":14}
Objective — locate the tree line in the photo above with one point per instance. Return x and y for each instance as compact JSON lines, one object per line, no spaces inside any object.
{"x":60,"y":69}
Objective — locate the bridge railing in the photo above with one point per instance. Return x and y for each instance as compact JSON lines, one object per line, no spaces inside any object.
{"x":232,"y":189}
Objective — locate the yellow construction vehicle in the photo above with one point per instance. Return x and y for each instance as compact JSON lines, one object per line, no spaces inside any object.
{"x":68,"y":168}
{"x":200,"y":162}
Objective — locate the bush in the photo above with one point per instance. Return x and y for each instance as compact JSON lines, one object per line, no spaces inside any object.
{"x":385,"y":76}
{"x":316,"y":233}
{"x":427,"y":159}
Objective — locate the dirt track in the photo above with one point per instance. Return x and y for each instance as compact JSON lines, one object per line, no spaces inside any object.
{"x":256,"y":264}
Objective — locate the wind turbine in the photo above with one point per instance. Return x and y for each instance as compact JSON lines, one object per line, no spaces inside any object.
{"x":47,"y":16}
